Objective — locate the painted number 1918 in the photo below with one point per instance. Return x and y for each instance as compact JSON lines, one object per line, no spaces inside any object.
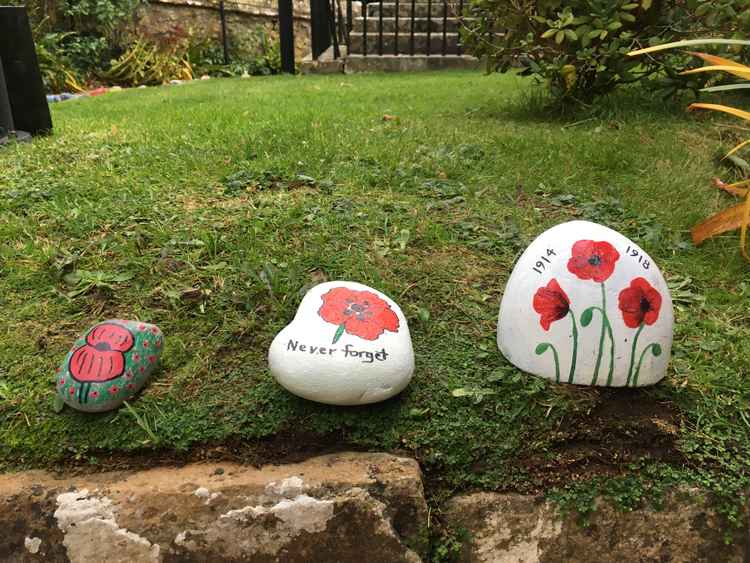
{"x":641,"y":260}
{"x":542,"y":263}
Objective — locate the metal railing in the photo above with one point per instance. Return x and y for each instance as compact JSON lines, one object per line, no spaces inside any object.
{"x":334,"y":26}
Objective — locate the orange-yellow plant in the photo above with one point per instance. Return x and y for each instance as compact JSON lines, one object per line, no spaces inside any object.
{"x":739,"y":215}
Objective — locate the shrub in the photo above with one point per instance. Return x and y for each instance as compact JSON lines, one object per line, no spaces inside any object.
{"x":98,"y":17}
{"x":254,"y":52}
{"x":58,"y":72}
{"x":579,"y":48}
{"x":146,"y":63}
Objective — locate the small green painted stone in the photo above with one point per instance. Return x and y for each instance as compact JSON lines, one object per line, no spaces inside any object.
{"x":109,"y":364}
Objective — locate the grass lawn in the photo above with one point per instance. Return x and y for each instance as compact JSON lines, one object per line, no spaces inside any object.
{"x":209,"y":208}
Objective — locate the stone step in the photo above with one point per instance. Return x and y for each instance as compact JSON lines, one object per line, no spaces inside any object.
{"x":421,"y":25}
{"x":421,"y":44}
{"x":324,"y":509}
{"x":435,"y":9}
{"x":406,"y":63}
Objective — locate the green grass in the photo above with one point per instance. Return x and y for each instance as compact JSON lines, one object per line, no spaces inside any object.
{"x":209,"y":208}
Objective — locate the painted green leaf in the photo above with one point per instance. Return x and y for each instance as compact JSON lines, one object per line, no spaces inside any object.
{"x":541,"y":348}
{"x":587,"y":316}
{"x":656,"y":350}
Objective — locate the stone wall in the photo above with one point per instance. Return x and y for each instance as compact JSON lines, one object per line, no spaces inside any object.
{"x":201,"y":17}
{"x":345,"y":507}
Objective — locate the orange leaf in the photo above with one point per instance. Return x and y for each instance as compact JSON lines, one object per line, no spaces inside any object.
{"x":714,"y":60}
{"x":733,"y":189}
{"x":741,"y":71}
{"x":743,"y":229}
{"x":727,"y":220}
{"x":735,"y":149}
{"x":726,"y":109}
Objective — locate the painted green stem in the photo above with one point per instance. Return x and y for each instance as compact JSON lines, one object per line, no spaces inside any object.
{"x":542,"y":348}
{"x":632,"y":355}
{"x":610,"y":375}
{"x":339,"y":332}
{"x":605,"y":322}
{"x":575,"y":347}
{"x":654,"y":348}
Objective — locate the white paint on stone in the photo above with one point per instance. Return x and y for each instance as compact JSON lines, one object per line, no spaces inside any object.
{"x":289,"y":488}
{"x":91,"y":532}
{"x":348,"y":344}
{"x":298,"y":514}
{"x":32,"y":544}
{"x":208,"y":496}
{"x":245,"y":514}
{"x":77,"y":506}
{"x":304,"y":513}
{"x":202,"y":492}
{"x":263,"y":529}
{"x":500,"y":543}
{"x":556,"y":292}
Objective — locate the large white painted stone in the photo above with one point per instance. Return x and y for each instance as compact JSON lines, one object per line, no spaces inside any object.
{"x":551,"y":321}
{"x":347,"y":345}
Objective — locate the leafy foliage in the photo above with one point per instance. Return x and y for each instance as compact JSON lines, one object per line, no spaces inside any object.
{"x":97,"y":17}
{"x":254,"y":52}
{"x":58,"y":72}
{"x":579,"y":49}
{"x":739,"y":215}
{"x":147,"y":63}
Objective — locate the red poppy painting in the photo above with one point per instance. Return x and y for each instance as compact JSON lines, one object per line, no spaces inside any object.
{"x":593,"y":260}
{"x":359,"y":313}
{"x":103,"y":356}
{"x":552,"y":303}
{"x":639,"y":303}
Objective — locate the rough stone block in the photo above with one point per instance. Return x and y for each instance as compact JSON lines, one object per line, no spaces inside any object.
{"x":345,"y":507}
{"x":505,"y":528}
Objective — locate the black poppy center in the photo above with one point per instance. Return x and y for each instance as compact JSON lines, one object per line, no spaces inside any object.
{"x":360,"y":310}
{"x":595,"y":260}
{"x":102,"y":346}
{"x":645,"y":305}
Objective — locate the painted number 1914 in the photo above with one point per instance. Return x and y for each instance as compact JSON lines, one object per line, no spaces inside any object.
{"x":541,"y":264}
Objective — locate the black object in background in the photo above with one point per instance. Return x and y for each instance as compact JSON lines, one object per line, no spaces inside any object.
{"x":286,"y":32}
{"x":24,"y":90}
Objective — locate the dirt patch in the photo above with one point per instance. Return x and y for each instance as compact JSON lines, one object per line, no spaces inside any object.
{"x":283,"y":447}
{"x":613,"y":429}
{"x":620,"y":426}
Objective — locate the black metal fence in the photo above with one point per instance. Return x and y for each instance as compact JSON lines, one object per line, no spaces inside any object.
{"x":395,"y":27}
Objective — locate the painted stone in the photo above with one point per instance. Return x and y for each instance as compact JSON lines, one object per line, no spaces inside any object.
{"x":347,"y":345}
{"x":109,"y":364}
{"x":586,"y":305}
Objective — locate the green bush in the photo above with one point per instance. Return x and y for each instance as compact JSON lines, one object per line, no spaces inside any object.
{"x":75,"y":39}
{"x":579,"y":48}
{"x":97,"y":17}
{"x":254,"y":52}
{"x":57,"y":69}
